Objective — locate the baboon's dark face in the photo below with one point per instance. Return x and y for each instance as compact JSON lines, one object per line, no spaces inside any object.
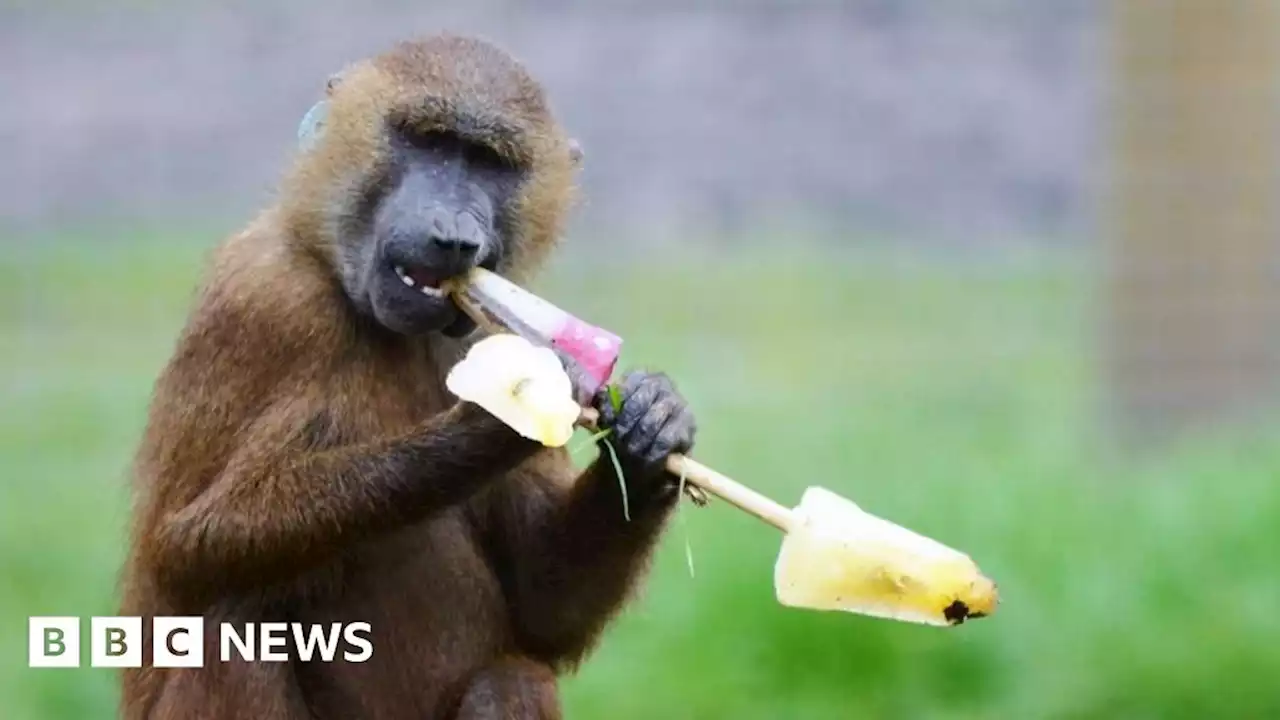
{"x":441,"y":208}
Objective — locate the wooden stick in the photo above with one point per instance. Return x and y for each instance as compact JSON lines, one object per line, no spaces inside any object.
{"x":722,"y":486}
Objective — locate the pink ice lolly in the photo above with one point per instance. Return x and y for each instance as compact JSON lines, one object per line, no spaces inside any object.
{"x":594,"y":350}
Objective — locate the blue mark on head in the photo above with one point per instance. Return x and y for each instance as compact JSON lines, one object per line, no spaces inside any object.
{"x":312,"y":124}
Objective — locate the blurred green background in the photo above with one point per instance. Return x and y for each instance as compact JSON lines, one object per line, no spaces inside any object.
{"x":957,"y":401}
{"x":1005,"y":273}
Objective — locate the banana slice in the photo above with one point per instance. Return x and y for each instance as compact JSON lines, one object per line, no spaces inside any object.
{"x":836,"y":556}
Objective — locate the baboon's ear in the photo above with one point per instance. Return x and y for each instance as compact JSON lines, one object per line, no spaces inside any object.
{"x":337,"y":78}
{"x":575,"y":152}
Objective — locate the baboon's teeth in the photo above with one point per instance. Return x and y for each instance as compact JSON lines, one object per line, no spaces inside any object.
{"x":408,"y":280}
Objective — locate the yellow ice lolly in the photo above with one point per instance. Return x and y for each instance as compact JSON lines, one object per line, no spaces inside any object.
{"x":836,"y":556}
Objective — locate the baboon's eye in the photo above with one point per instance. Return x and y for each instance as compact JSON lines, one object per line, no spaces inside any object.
{"x":476,"y":154}
{"x":427,"y":139}
{"x":483,"y":156}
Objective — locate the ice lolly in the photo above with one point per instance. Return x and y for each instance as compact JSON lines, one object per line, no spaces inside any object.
{"x":837,"y":556}
{"x":834,"y":556}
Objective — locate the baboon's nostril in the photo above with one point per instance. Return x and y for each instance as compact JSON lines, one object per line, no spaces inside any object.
{"x":458,"y":249}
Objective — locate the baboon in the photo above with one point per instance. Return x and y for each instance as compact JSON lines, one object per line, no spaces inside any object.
{"x":303,"y":462}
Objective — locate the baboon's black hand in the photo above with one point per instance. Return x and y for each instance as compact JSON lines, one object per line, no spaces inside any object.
{"x":653,"y":422}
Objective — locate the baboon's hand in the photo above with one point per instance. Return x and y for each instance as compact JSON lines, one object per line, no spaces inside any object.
{"x":653,"y":422}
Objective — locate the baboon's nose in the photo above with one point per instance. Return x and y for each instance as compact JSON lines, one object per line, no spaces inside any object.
{"x":455,"y":246}
{"x":459,"y":242}
{"x":454,"y":255}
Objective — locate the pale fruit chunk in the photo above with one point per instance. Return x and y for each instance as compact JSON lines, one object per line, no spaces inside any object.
{"x":838,"y":557}
{"x":522,"y":385}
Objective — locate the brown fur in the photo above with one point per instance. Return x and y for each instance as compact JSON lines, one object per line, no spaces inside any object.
{"x":301,"y":464}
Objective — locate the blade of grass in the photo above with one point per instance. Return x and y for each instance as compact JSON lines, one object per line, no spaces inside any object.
{"x":684,"y":527}
{"x":622,"y":482}
{"x":592,"y":440}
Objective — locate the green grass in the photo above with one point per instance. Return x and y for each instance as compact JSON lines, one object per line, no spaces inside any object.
{"x":957,"y":401}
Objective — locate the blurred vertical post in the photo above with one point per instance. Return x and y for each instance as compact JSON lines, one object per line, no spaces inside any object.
{"x":1194,"y":312}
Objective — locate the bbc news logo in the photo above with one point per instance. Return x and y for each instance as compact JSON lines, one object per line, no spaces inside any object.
{"x":178,"y":642}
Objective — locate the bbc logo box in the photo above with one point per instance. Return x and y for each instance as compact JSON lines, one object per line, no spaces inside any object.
{"x":179,"y":642}
{"x":54,"y":642}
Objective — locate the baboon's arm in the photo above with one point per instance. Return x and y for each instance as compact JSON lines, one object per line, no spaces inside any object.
{"x":281,"y":503}
{"x":568,"y":555}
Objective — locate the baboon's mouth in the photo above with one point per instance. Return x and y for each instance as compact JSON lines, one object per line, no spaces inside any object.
{"x":421,"y":279}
